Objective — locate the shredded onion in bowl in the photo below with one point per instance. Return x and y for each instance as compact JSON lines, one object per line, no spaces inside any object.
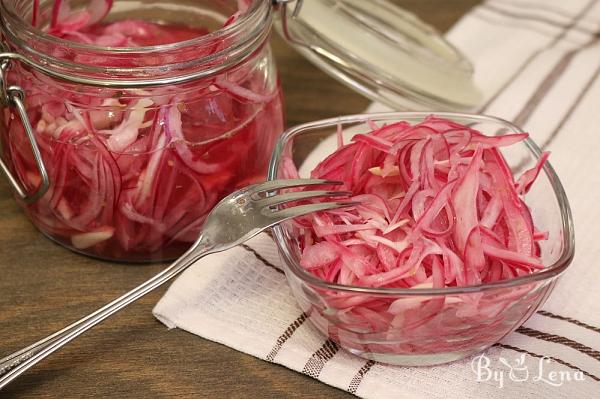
{"x":439,"y":207}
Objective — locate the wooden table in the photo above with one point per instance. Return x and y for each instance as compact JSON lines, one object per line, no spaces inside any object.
{"x":44,"y":287}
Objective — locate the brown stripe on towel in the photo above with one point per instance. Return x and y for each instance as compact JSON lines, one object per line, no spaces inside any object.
{"x":260,"y":258}
{"x":536,"y":6}
{"x":532,"y":17}
{"x":557,"y":360}
{"x":359,"y":376}
{"x":572,"y":109}
{"x":491,"y":20}
{"x":549,"y":81}
{"x":287,"y":334}
{"x":569,"y":319}
{"x":317,"y":361}
{"x":530,"y":332}
{"x":534,"y":55}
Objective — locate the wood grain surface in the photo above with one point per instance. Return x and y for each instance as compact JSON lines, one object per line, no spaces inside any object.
{"x":44,"y":287}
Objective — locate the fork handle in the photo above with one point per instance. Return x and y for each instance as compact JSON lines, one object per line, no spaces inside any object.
{"x":18,"y":362}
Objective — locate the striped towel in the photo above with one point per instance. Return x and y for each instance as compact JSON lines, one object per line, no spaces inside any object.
{"x":538,"y":64}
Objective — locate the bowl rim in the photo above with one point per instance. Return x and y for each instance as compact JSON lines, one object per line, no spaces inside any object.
{"x":552,"y":271}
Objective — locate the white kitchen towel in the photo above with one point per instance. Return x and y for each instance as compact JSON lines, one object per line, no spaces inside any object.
{"x":538,"y":64}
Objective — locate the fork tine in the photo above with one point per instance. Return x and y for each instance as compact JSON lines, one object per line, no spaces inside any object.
{"x":299,"y":195}
{"x":301,"y":210}
{"x":290,"y":183}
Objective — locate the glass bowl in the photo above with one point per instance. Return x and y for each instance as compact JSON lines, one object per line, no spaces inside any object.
{"x":426,"y":326}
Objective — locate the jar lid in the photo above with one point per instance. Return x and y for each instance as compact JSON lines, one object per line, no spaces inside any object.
{"x":381,"y":51}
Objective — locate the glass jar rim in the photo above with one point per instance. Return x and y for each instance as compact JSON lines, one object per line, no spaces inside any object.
{"x":550,"y":272}
{"x":245,"y":36}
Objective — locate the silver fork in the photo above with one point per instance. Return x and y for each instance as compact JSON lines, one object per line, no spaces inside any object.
{"x":234,"y":220}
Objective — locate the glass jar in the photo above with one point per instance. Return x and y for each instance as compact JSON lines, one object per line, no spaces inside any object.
{"x":120,"y":152}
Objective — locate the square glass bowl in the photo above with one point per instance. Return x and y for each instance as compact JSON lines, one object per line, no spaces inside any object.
{"x":423,"y":326}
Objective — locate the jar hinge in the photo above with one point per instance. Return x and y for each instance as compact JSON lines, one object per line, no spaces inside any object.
{"x":283,"y":10}
{"x":13,"y":97}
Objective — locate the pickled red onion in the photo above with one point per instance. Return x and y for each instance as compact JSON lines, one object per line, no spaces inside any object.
{"x":439,"y":205}
{"x":133,"y":173}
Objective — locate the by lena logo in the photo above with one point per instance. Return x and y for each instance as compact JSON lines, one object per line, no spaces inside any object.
{"x":518,"y":371}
